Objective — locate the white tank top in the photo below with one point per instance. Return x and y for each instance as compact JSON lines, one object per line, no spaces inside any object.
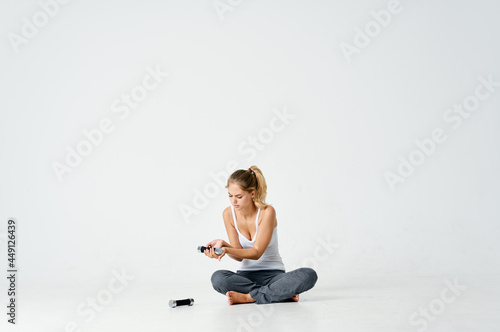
{"x":270,"y":259}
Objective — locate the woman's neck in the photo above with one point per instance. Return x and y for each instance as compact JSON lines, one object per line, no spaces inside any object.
{"x":248,"y":212}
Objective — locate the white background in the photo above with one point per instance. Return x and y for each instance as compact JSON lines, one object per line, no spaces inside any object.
{"x":119,"y":209}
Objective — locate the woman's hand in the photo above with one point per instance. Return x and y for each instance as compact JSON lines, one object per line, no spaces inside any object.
{"x":223,"y":253}
{"x":216,"y":243}
{"x":211,"y":253}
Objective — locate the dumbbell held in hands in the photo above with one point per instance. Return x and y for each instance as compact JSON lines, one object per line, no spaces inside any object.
{"x":202,"y":249}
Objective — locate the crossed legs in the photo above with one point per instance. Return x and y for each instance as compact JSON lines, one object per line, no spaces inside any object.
{"x":264,"y":286}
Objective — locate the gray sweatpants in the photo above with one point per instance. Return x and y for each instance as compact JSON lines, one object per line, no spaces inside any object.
{"x":265,"y":286}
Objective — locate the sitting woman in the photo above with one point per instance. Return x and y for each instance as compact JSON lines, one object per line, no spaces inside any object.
{"x":251,"y":227}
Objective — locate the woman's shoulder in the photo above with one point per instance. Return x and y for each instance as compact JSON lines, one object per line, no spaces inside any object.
{"x":268,"y":209}
{"x":227,"y":215}
{"x":268,"y":213}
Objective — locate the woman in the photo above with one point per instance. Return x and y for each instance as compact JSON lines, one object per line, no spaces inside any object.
{"x":251,"y":227}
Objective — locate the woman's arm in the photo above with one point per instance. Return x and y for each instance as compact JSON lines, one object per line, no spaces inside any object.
{"x":218,"y":244}
{"x":232,"y":234}
{"x":232,"y":256}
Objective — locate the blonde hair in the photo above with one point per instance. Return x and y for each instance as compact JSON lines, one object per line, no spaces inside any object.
{"x":249,"y":180}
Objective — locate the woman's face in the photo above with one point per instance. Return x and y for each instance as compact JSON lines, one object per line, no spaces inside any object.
{"x":239,"y":198}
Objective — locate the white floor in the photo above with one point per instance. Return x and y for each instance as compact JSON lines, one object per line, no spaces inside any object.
{"x":343,"y":304}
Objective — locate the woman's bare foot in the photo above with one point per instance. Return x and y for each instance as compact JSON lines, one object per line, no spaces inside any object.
{"x":235,"y":298}
{"x":294,"y":298}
